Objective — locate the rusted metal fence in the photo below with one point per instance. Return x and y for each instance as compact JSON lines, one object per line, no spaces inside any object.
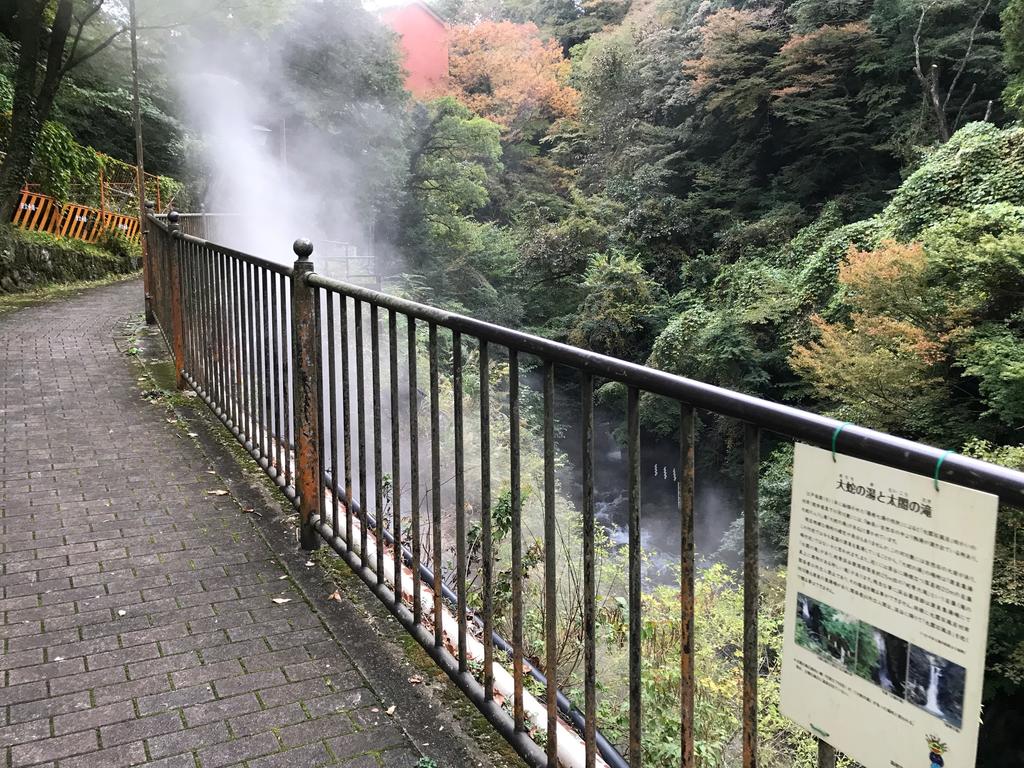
{"x":338,"y":391}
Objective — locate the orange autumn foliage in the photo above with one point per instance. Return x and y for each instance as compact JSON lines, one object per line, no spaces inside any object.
{"x":507,"y":73}
{"x":885,"y":363}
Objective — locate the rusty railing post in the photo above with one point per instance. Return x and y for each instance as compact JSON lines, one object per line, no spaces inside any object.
{"x":306,"y":391}
{"x":147,"y":267}
{"x":177,"y":329}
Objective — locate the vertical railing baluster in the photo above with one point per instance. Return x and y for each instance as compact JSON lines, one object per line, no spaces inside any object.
{"x":485,"y":519}
{"x":378,"y":463}
{"x":435,"y":484}
{"x":222,"y":326}
{"x":324,"y":402}
{"x":686,"y":576}
{"x":276,"y":352}
{"x":186,"y":304}
{"x":232,"y":264}
{"x":176,"y":331}
{"x":460,"y":499}
{"x":332,"y":399}
{"x":361,"y":429}
{"x":516,"y":493}
{"x":202,"y":337}
{"x":268,"y":379}
{"x":241,"y":310}
{"x":252,"y":395}
{"x":288,"y":412}
{"x":633,"y":441}
{"x":396,"y":455}
{"x":589,"y":581}
{"x":346,"y":417}
{"x":214,"y":303}
{"x":550,"y":567}
{"x":414,"y":468}
{"x":751,"y":545}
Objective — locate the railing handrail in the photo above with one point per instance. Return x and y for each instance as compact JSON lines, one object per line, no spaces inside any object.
{"x":786,"y":420}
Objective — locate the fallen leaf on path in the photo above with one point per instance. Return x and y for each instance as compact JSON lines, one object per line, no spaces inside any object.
{"x":335,"y":595}
{"x":193,"y":434}
{"x":416,"y":680}
{"x":218,"y":492}
{"x":310,"y":563}
{"x":391,"y":709}
{"x":282,"y":600}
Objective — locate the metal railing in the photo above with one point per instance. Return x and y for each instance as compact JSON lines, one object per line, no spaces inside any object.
{"x":324,"y":384}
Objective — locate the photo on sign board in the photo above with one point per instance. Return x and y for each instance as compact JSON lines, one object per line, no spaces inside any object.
{"x":936,"y":685}
{"x":823,"y":630}
{"x":882,"y":659}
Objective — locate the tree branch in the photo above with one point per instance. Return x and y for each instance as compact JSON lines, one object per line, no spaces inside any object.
{"x":960,"y":112}
{"x":93,"y":10}
{"x":967,"y":54}
{"x":72,"y":63}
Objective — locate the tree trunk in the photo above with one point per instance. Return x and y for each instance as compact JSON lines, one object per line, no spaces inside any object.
{"x":33,"y":99}
{"x":15,"y":169}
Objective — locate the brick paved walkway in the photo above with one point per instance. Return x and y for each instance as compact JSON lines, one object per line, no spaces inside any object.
{"x":137,"y":616}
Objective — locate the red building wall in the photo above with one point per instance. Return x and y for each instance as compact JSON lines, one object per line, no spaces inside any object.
{"x":424,"y":41}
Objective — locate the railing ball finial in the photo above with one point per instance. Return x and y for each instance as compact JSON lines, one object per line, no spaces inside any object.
{"x":303,"y":248}
{"x":173,"y":217}
{"x":150,"y":205}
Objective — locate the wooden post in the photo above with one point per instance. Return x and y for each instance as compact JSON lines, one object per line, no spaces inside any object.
{"x":306,"y":391}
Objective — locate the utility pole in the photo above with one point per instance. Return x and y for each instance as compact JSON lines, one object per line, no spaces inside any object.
{"x":140,"y":169}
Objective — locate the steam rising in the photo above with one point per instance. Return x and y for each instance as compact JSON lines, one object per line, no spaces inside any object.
{"x":298,"y":128}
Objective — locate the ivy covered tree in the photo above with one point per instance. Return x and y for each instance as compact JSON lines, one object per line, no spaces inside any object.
{"x":50,"y":41}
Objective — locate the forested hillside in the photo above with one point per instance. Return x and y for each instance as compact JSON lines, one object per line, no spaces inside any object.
{"x":819,"y":202}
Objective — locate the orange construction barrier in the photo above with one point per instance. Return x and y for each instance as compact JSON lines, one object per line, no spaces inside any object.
{"x":41,"y":213}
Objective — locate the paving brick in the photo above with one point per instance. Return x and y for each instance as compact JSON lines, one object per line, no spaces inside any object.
{"x":93,"y":718}
{"x":372,"y":740}
{"x":176,"y":699}
{"x":309,"y":756}
{"x":52,"y":705}
{"x":188,"y":740}
{"x":244,"y":748}
{"x":275,"y":717}
{"x":53,"y":749}
{"x":83,"y":682}
{"x":221,"y":709}
{"x":120,"y":756}
{"x":141,"y":728}
{"x":208,"y":673}
{"x":23,"y":732}
{"x":314,"y":730}
{"x":229,"y":686}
